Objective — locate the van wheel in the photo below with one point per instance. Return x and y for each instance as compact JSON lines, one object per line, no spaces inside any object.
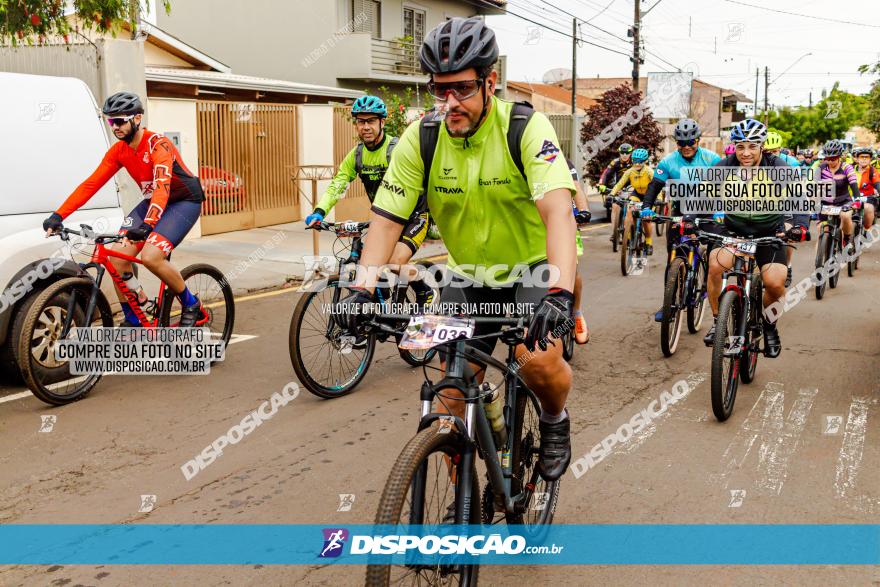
{"x":9,"y":365}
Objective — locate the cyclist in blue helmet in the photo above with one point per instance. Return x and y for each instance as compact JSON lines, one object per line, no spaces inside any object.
{"x":369,"y":160}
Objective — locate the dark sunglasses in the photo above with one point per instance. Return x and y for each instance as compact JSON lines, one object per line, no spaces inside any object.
{"x":120,"y":120}
{"x":460,"y":90}
{"x":688,"y":143}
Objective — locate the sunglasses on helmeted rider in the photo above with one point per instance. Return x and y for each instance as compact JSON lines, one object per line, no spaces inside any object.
{"x":460,"y":90}
{"x":120,"y":120}
{"x":688,"y":143}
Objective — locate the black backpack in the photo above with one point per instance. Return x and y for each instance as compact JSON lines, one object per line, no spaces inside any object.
{"x":429,"y":132}
{"x":359,"y":154}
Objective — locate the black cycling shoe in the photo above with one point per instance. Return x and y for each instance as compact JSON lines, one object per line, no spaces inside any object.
{"x":772,"y":343}
{"x":709,"y":339}
{"x":126,"y":324}
{"x":788,"y":277}
{"x":424,"y":298}
{"x":555,"y":451}
{"x":190,"y":315}
{"x":649,"y":250}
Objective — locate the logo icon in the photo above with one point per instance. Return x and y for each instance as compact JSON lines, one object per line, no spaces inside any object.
{"x":334,"y":539}
{"x":736,"y":498}
{"x":346,"y":501}
{"x":548,"y":152}
{"x":541,"y":501}
{"x":735,"y":32}
{"x":447,"y":170}
{"x":148,"y":502}
{"x":833,"y":423}
{"x":47,"y":423}
{"x":833,"y":107}
{"x":45,"y":112}
{"x":533,"y":35}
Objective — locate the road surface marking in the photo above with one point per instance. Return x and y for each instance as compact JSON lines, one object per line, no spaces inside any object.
{"x":849,"y":460}
{"x":779,"y":437}
{"x":15,"y":396}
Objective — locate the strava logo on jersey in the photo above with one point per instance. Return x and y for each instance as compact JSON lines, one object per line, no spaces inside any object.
{"x":445,"y":190}
{"x":548,"y":152}
{"x":394,"y":189}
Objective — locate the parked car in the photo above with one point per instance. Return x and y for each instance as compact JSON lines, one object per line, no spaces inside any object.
{"x":55,"y":137}
{"x":224,"y":190}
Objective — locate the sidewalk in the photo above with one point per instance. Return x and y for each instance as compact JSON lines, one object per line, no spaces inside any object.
{"x":267,"y":257}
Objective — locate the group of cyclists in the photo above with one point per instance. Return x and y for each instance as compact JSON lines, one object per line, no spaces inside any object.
{"x":492,"y":176}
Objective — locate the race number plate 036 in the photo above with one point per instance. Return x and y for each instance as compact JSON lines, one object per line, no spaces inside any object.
{"x":430,"y":330}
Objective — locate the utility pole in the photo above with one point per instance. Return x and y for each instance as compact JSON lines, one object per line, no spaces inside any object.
{"x":637,"y":17}
{"x":766,"y":88}
{"x":757,"y":77}
{"x":811,"y":100}
{"x":574,"y":129}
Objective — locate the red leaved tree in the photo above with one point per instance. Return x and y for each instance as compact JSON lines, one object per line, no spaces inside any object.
{"x":602,"y":136}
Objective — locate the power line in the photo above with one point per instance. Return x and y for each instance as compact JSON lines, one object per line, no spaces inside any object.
{"x":484,"y":4}
{"x":601,"y":11}
{"x":822,"y":18}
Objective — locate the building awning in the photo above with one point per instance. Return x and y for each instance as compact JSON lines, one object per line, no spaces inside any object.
{"x":216,"y":79}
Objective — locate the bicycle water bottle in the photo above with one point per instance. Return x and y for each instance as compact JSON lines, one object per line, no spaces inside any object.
{"x":132,"y":283}
{"x":493,"y":405}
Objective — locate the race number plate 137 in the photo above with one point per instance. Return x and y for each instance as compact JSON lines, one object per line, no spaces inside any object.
{"x":429,"y":330}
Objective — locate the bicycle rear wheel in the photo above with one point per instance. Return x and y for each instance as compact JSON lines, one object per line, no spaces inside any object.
{"x":835,"y":248}
{"x":615,"y":233}
{"x":749,"y":359}
{"x":725,"y":363}
{"x":328,"y":361}
{"x":535,"y":498}
{"x":673,"y":304}
{"x":697,"y":307}
{"x":215,"y":295}
{"x":626,"y":252}
{"x":62,"y":304}
{"x":822,"y":250}
{"x":421,"y":486}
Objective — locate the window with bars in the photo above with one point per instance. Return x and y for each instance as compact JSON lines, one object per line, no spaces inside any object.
{"x":371,"y":21}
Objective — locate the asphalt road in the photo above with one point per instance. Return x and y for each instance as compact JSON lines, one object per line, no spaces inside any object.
{"x":803,"y":445}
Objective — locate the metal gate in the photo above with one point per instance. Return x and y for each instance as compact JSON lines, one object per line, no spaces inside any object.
{"x":247,"y":162}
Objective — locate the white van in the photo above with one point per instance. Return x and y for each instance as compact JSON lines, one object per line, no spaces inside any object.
{"x":53,"y":137}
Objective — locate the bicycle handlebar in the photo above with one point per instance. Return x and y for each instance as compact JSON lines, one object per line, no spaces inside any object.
{"x":347,"y":227}
{"x":88,"y":233}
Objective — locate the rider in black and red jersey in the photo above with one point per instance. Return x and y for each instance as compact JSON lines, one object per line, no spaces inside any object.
{"x":172,"y":200}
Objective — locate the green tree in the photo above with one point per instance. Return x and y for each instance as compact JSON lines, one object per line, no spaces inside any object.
{"x":611,"y":106}
{"x":829,"y":119}
{"x":872,"y":116}
{"x":32,"y":21}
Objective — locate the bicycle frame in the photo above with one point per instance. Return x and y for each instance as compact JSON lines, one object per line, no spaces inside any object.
{"x":689,"y":248}
{"x":477,"y":430}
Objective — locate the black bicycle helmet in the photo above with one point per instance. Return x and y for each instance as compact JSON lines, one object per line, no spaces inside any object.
{"x":625,"y":148}
{"x":122,"y":103}
{"x":833,"y":148}
{"x":863,"y":151}
{"x":458,"y":44}
{"x":687,"y":129}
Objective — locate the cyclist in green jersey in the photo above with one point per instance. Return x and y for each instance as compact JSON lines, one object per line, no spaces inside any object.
{"x":369,"y":161}
{"x":492,"y":213}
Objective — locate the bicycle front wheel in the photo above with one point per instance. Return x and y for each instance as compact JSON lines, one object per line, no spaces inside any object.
{"x":697,"y":307}
{"x":673,"y":303}
{"x":422,"y":488}
{"x":59,"y":308}
{"x":626,"y":251}
{"x":822,"y":250}
{"x":328,"y":361}
{"x":215,"y":294}
{"x":725,"y":361}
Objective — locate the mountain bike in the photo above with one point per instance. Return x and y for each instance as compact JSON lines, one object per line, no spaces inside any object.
{"x":632,"y":249}
{"x":79,"y":302}
{"x":327,"y":359}
{"x":434,"y":480}
{"x":830,"y":244}
{"x":685,"y":290}
{"x":738,"y":330}
{"x":661,"y":209}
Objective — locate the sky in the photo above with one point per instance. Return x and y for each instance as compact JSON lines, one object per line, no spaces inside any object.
{"x":721,"y":41}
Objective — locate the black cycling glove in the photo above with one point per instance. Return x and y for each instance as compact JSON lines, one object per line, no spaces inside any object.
{"x":53,"y":222}
{"x":555,"y":310}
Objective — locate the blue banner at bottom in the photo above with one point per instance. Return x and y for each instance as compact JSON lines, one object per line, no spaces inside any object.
{"x":269,"y":544}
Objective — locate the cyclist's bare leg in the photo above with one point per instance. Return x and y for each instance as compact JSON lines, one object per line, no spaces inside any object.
{"x":547,"y":374}
{"x":401,"y":255}
{"x":869,"y":216}
{"x":154,"y":259}
{"x":773,"y":276}
{"x":720,"y":260}
{"x":121,"y":265}
{"x":846,"y":224}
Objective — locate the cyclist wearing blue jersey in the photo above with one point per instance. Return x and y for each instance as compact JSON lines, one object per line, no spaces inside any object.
{"x":689,"y":154}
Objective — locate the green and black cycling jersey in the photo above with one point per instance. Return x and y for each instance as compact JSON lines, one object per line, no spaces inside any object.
{"x":368,"y":163}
